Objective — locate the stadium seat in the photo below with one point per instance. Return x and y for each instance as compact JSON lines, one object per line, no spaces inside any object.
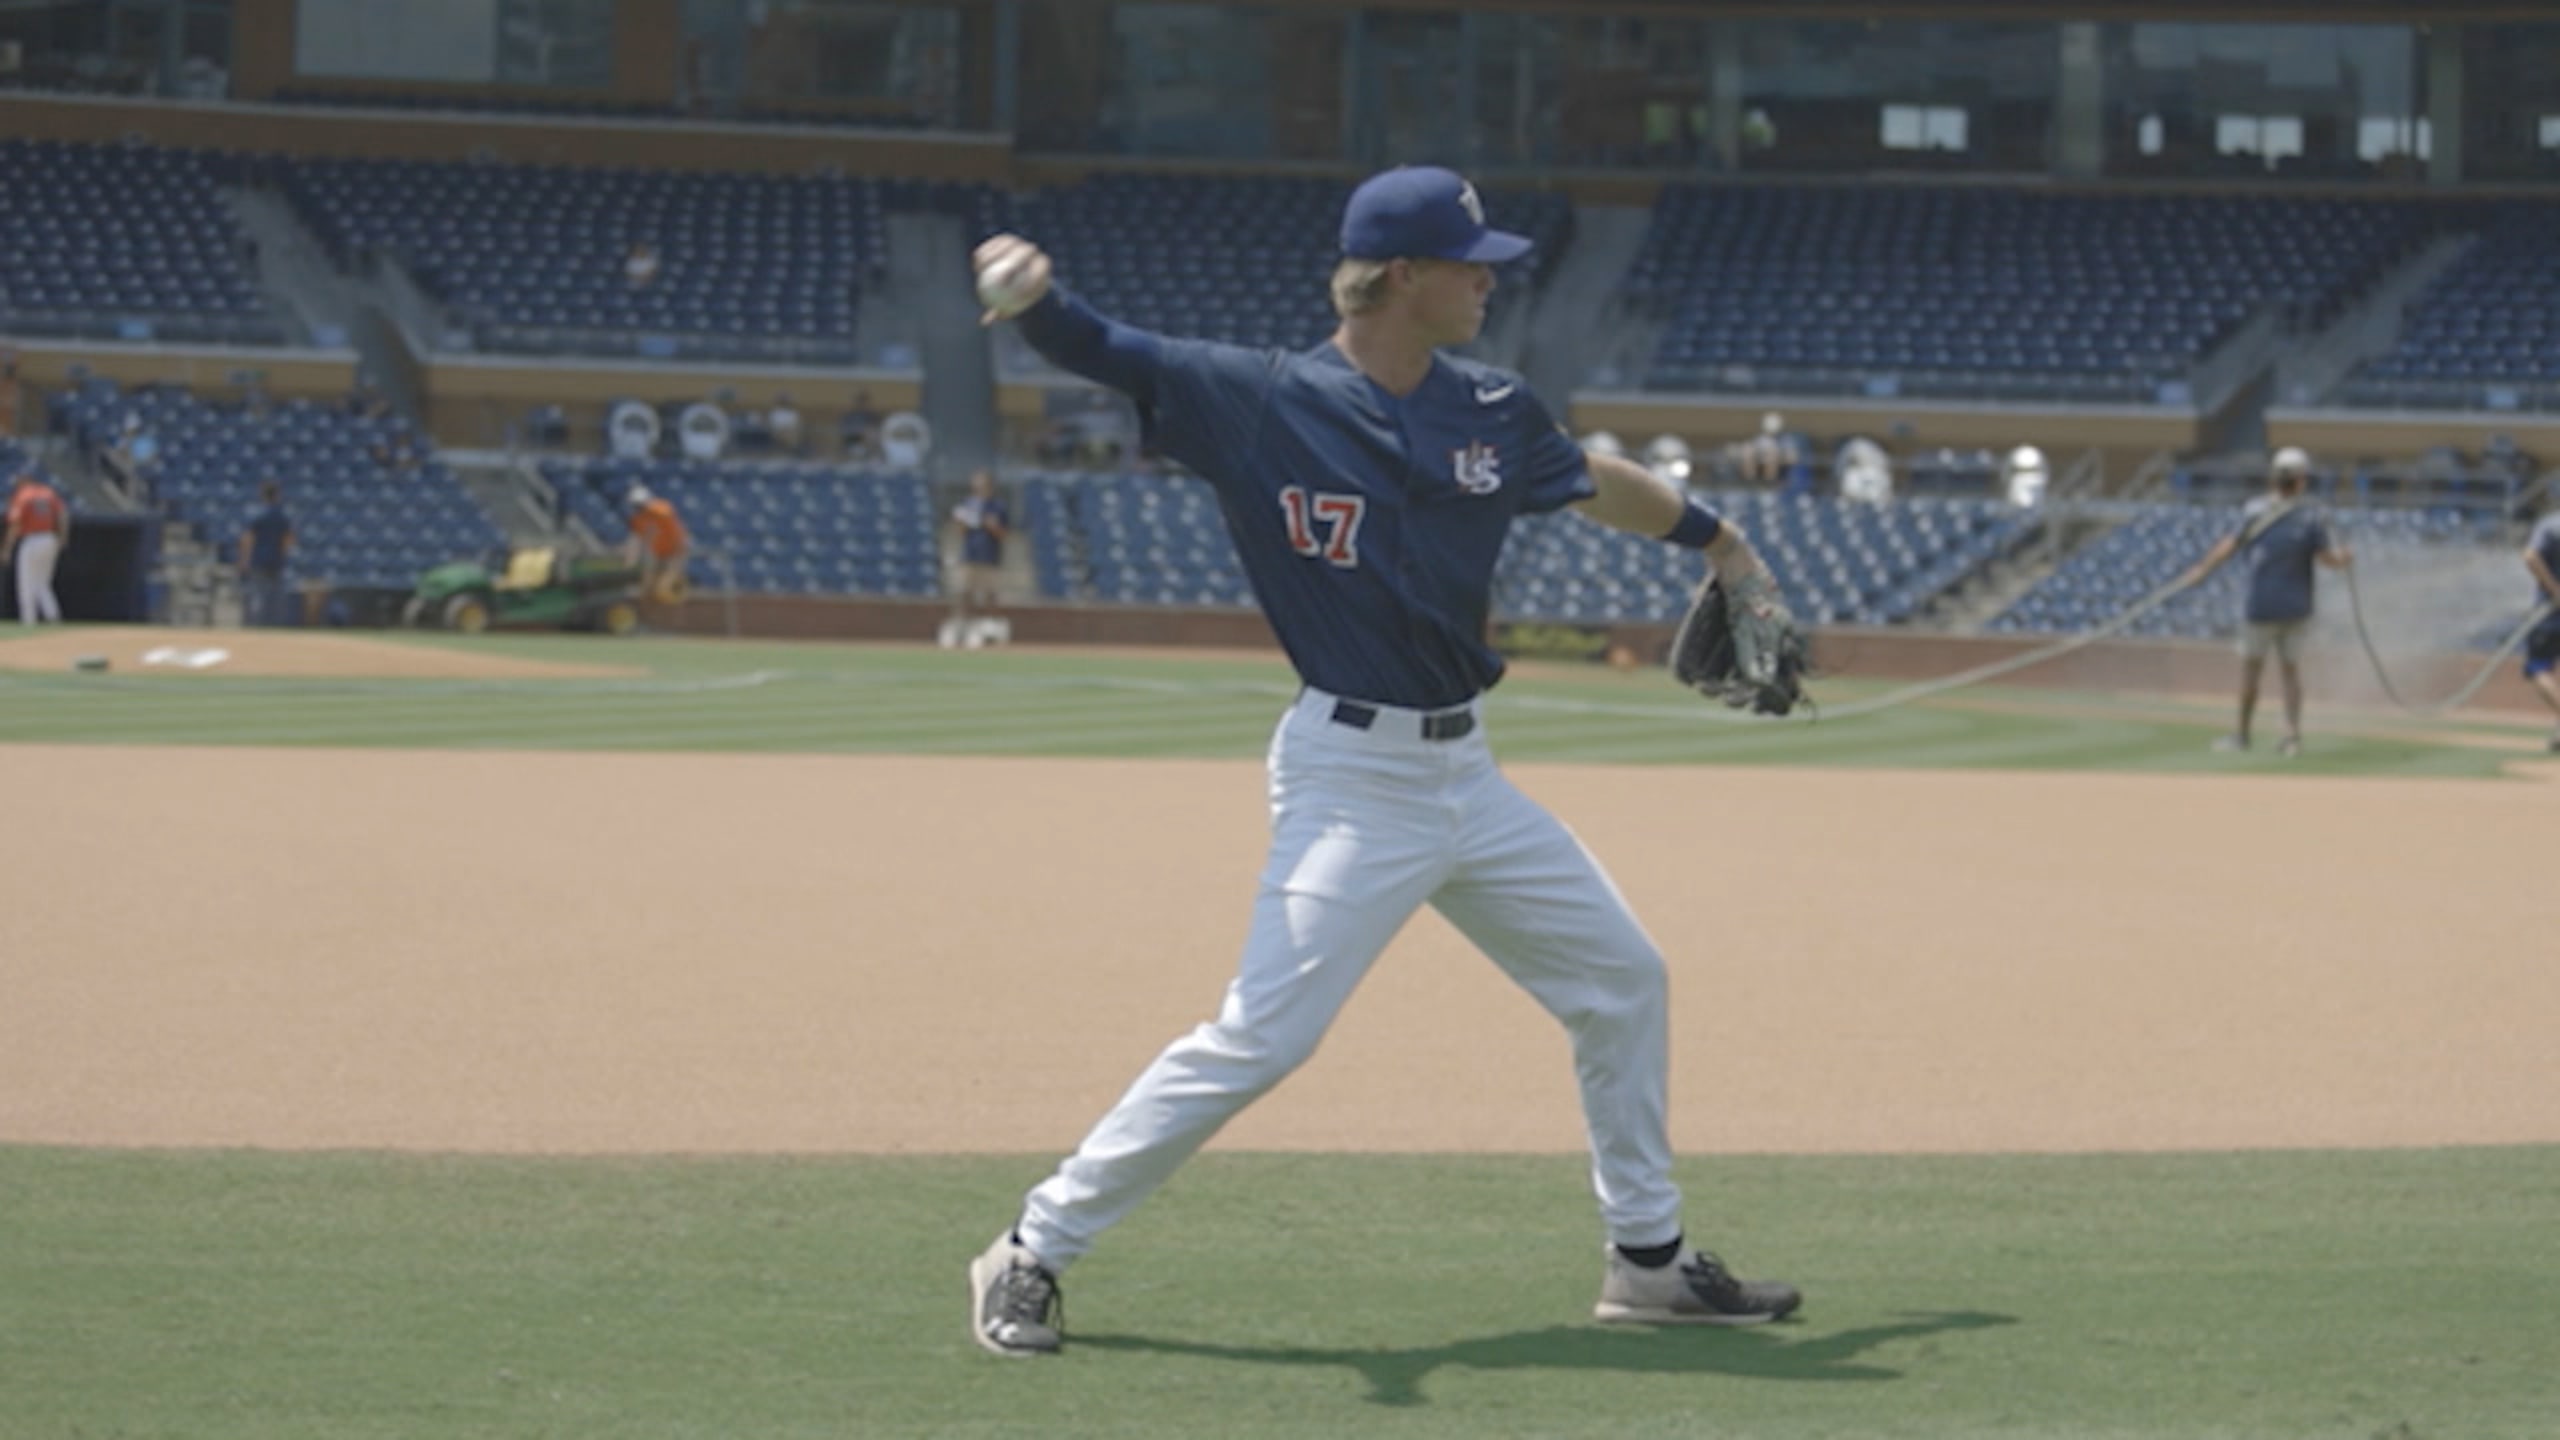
{"x":359,"y":520}
{"x":1974,"y":292}
{"x":530,"y":258}
{"x":787,"y":527}
{"x":124,"y":242}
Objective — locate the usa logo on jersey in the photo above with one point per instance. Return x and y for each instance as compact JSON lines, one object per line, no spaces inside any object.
{"x":1478,"y":468}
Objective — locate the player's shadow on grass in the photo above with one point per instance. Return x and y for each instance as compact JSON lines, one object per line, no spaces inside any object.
{"x":1762,"y":1353}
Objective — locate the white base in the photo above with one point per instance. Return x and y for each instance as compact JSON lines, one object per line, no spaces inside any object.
{"x":975,"y":634}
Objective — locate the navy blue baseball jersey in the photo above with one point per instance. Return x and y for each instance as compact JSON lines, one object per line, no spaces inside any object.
{"x":2279,"y":561}
{"x":268,"y":534}
{"x":982,"y":527}
{"x":2545,"y":542}
{"x":1369,"y":523}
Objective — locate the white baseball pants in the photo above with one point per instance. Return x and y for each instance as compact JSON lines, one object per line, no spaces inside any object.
{"x":36,"y":554}
{"x":1366,"y":827}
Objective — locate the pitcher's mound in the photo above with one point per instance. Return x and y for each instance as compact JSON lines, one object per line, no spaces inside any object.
{"x":162,"y":650}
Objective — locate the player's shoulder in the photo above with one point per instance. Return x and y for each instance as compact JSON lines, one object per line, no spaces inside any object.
{"x":1486,"y":384}
{"x":1224,"y":363}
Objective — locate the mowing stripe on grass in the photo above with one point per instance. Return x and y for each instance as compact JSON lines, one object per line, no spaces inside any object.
{"x":770,"y":697}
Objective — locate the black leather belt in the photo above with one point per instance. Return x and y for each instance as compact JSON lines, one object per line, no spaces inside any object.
{"x":1436,"y":724}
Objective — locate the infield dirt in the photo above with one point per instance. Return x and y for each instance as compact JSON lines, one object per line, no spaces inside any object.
{"x":664,"y":953}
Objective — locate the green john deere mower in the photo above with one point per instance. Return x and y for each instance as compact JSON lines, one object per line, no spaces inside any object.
{"x":535,"y":589}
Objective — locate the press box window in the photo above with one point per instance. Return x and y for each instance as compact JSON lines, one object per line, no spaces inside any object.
{"x":1923,"y":127}
{"x":2273,"y":137}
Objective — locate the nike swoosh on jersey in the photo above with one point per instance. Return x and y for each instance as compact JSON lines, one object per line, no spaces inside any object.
{"x":1496,"y":393}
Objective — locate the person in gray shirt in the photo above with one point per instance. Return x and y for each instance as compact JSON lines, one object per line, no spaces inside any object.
{"x":2542,"y":645}
{"x":2281,"y":536}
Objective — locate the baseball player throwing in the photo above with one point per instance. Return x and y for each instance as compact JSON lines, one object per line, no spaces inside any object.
{"x":1368,"y":484}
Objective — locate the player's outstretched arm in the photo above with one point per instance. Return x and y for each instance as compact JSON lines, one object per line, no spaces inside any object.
{"x":1016,"y":282}
{"x":1626,"y":496}
{"x":1632,"y":498}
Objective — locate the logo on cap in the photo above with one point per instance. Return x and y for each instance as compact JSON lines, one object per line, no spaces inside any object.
{"x":1424,"y":213}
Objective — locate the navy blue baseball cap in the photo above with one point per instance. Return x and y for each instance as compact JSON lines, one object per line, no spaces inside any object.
{"x":1422,"y":212}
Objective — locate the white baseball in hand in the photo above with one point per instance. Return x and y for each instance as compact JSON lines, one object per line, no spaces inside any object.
{"x":1005,"y":286}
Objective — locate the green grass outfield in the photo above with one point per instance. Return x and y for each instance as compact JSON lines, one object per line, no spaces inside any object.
{"x":2392,"y":1295}
{"x":711,"y":695}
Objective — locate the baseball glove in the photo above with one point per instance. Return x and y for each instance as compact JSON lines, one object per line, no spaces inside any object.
{"x":1740,"y":645}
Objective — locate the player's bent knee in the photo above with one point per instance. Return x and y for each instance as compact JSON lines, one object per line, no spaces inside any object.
{"x":1630,"y":989}
{"x":1253,"y":1059}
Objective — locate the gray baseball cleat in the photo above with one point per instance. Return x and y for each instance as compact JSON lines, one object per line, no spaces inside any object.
{"x":1694,"y":1290}
{"x":1014,"y":1304}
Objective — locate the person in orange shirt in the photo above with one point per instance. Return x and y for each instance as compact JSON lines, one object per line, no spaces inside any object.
{"x":39,"y":523}
{"x":658,"y":544}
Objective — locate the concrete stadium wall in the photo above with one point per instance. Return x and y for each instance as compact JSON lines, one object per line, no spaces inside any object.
{"x":2339,"y":436}
{"x":206,"y":369}
{"x":471,"y":400}
{"x":2125,"y":435}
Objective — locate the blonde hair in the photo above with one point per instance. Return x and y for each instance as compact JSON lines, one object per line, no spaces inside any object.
{"x":1359,"y":286}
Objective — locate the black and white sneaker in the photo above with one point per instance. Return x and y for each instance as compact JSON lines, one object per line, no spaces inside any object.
{"x":1015,"y":1307}
{"x":1696,"y":1289}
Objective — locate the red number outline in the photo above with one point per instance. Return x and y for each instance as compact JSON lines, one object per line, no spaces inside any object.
{"x":1341,"y":513}
{"x":1346,"y":512}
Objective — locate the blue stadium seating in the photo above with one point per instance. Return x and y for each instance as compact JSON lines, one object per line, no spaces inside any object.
{"x":788,"y":528}
{"x":14,"y":458}
{"x":1839,"y":563}
{"x":982,"y":209}
{"x":2442,"y":479}
{"x":1130,"y":539}
{"x":1972,"y":291}
{"x":123,"y":242}
{"x":2490,"y":323}
{"x":531,"y":257}
{"x":358,"y":521}
{"x":2154,"y":543}
{"x":1159,"y":539}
